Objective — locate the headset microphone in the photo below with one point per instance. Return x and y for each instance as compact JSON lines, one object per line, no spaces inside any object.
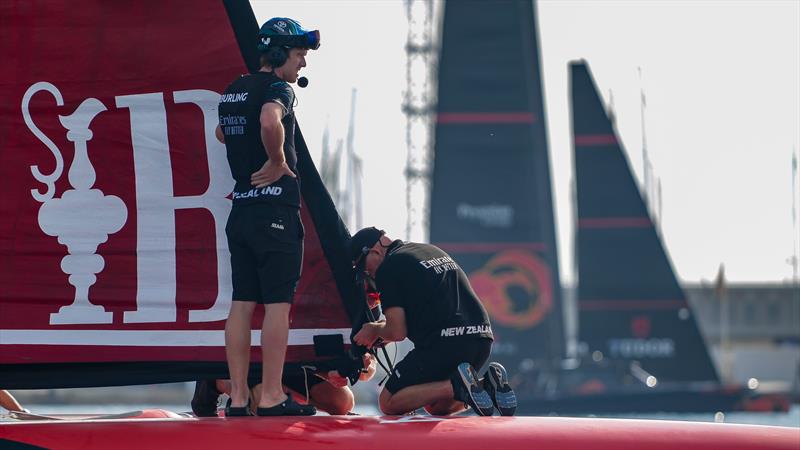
{"x":302,"y":82}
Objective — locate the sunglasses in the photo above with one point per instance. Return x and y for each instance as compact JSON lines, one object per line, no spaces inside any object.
{"x":309,"y":40}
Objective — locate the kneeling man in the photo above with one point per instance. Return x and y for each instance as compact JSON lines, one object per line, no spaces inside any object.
{"x":427,"y":297}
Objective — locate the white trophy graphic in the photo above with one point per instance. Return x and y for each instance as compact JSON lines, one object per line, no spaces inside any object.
{"x":83,"y":217}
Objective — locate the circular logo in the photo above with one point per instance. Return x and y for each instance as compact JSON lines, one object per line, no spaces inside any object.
{"x":515,"y":288}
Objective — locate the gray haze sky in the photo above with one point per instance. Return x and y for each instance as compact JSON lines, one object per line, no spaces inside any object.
{"x":722,"y":82}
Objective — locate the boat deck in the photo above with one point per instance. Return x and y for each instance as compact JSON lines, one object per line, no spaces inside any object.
{"x":175,"y":431}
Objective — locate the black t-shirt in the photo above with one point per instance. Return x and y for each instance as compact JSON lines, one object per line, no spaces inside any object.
{"x":435,"y":293}
{"x":239,"y":118}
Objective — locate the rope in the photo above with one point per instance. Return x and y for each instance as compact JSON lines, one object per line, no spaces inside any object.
{"x":305,"y":382}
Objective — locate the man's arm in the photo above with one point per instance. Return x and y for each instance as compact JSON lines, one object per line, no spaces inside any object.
{"x":272,"y":135}
{"x":392,"y":330}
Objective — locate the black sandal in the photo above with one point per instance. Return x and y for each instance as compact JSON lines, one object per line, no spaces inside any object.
{"x":204,"y":400}
{"x":238,"y":411}
{"x":289,"y":407}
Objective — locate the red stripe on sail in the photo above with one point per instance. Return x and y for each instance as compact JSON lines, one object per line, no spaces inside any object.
{"x":595,"y":140}
{"x":485,"y":117}
{"x":615,"y":222}
{"x":489,"y":247}
{"x":625,"y":305}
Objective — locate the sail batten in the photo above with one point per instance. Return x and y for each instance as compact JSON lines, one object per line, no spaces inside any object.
{"x":470,"y":118}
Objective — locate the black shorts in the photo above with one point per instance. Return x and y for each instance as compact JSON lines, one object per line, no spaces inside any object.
{"x":297,"y":383}
{"x":266,"y":245}
{"x":438,"y":362}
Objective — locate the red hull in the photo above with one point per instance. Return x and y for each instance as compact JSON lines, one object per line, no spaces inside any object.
{"x":402,"y":433}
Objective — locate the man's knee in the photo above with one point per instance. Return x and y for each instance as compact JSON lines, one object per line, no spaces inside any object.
{"x":340,"y":404}
{"x":385,"y":403}
{"x":334,"y":401}
{"x":279,"y":308}
{"x":242,"y":307}
{"x":436,"y":410}
{"x":444,"y":407}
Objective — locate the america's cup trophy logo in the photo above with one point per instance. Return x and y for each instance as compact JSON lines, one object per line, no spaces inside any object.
{"x":64,"y":217}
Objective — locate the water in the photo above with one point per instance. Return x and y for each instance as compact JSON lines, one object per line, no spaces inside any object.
{"x":790,"y":419}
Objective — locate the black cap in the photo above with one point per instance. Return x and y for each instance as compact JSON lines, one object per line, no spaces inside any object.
{"x":362,"y":242}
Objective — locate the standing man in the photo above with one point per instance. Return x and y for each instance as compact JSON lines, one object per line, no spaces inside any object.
{"x":427,"y":297}
{"x":265,"y":235}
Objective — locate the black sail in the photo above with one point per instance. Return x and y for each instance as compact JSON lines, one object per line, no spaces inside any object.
{"x":491,"y":203}
{"x":631,"y":305}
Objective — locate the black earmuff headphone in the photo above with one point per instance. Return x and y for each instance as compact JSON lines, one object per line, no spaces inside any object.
{"x":276,"y":56}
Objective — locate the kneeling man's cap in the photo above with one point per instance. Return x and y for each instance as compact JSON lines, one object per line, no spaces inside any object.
{"x":362,"y":242}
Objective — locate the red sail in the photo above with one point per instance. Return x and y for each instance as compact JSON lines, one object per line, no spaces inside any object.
{"x":115,"y":194}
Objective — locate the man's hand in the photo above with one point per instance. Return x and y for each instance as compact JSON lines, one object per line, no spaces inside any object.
{"x":270,"y":173}
{"x":334,"y":378}
{"x":368,"y":334}
{"x":369,"y":367}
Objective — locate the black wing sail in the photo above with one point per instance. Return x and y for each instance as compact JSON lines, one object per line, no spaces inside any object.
{"x":491,"y":203}
{"x":631,"y":305}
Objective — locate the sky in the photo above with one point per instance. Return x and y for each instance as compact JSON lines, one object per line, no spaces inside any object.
{"x":722,"y":118}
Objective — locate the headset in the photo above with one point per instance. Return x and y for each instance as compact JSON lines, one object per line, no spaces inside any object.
{"x":279,"y":34}
{"x":276,"y":56}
